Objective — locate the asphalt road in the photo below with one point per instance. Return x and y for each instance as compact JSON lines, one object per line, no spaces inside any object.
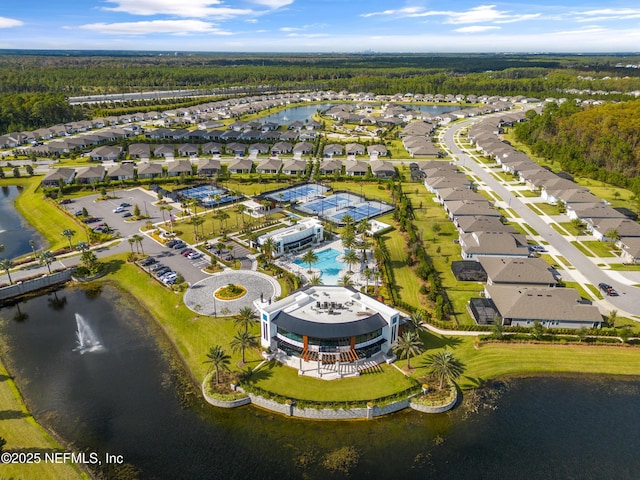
{"x":627,"y":300}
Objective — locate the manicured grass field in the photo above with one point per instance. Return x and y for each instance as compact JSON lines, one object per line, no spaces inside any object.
{"x":575,"y":285}
{"x":43,"y":214}
{"x":283,"y":380}
{"x":581,"y":247}
{"x":624,"y":267}
{"x":601,"y":249}
{"x":24,"y":434}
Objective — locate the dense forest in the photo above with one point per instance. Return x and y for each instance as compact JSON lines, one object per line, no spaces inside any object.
{"x":601,"y":142}
{"x":21,"y":112}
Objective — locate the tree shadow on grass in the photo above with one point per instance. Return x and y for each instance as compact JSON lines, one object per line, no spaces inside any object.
{"x":114,"y":265}
{"x":265,"y":372}
{"x":12,"y":414}
{"x":432,"y":341}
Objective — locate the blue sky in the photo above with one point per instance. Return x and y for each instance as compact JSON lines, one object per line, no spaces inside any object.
{"x":322,"y":25}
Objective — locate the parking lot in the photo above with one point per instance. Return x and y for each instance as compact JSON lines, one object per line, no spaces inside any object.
{"x":103,"y":209}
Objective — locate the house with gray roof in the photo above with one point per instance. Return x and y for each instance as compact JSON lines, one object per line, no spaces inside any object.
{"x":187,"y":150}
{"x":179,"y":167}
{"x":166,"y":151}
{"x":106,"y":154}
{"x":449,"y":194}
{"x":521,"y":306}
{"x":332,"y":150}
{"x":356,"y":168}
{"x":86,"y":175}
{"x":212,"y":148}
{"x":330,"y":166}
{"x":623,"y":227}
{"x":269,"y":166}
{"x":354,"y":149}
{"x":258,"y":148}
{"x":493,"y":244}
{"x":630,"y":249}
{"x":518,"y":271}
{"x":460,"y":208}
{"x":585,"y":211}
{"x":121,"y":172}
{"x":474,"y":223}
{"x":237,"y":149}
{"x":281,"y":148}
{"x":294,"y":167}
{"x":240,"y":165}
{"x":57,"y":175}
{"x":149,"y":170}
{"x":377,"y":150}
{"x":382,"y":169}
{"x":303,"y":148}
{"x":208,"y":167}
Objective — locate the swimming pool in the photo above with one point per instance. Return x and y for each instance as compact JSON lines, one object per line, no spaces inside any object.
{"x":328,"y":264}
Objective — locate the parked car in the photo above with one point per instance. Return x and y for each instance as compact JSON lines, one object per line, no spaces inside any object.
{"x":171,"y":243}
{"x":187,"y":252}
{"x":194,"y":255}
{"x":168,"y":277}
{"x":167,"y":274}
{"x":157,"y":266}
{"x":148,"y":261}
{"x":608,"y":289}
{"x":127,"y":215}
{"x":65,"y":201}
{"x":118,"y":210}
{"x":162,"y":271}
{"x":77,"y":213}
{"x":179,"y":245}
{"x":125,"y":205}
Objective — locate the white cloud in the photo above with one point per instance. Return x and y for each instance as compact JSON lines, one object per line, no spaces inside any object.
{"x":191,"y":8}
{"x":290,"y":29}
{"x":10,"y":22}
{"x":308,"y":35}
{"x":181,"y":27}
{"x":401,"y":12}
{"x":582,"y":31}
{"x":480,"y":14}
{"x":476,"y":29}
{"x":605,"y":14}
{"x":274,"y":3}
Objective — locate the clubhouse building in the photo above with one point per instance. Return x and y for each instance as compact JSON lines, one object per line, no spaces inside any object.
{"x":328,"y":329}
{"x":304,"y":234}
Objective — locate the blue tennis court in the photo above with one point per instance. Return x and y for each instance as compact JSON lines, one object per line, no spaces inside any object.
{"x":357,"y":213}
{"x":299,"y":193}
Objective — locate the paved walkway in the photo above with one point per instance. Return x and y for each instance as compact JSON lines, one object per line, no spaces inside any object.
{"x":200,"y":299}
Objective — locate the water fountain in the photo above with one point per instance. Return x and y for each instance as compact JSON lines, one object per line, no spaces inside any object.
{"x":86,"y":338}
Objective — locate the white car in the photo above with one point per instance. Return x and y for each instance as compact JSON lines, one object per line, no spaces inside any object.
{"x":169,"y":277}
{"x":118,"y":210}
{"x":194,"y":255}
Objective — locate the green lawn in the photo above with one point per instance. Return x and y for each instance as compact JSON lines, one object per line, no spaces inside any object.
{"x":528,"y":193}
{"x":594,"y":290}
{"x":570,"y":228}
{"x":575,"y":285}
{"x":625,"y":267}
{"x":23,"y":433}
{"x":601,"y":249}
{"x":44,"y":215}
{"x":580,"y":247}
{"x":285,"y":381}
{"x":192,"y":334}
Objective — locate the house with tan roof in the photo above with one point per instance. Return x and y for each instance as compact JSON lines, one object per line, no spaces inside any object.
{"x":493,"y":244}
{"x":518,"y":271}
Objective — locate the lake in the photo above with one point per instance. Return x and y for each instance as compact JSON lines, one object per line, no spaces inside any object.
{"x":305,"y":112}
{"x":15,"y":232}
{"x":130,"y":397}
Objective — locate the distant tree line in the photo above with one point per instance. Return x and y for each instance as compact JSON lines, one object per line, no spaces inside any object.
{"x":30,"y":111}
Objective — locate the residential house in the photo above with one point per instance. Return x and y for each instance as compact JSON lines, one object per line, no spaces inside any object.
{"x":585,"y":211}
{"x":281,"y":148}
{"x":92,"y":174}
{"x":493,"y":244}
{"x":57,"y":175}
{"x":149,"y":170}
{"x":354,"y":149}
{"x":521,"y":306}
{"x":303,"y":148}
{"x":630,"y":249}
{"x":356,"y":168}
{"x":240,"y":165}
{"x":139,"y":150}
{"x":236,"y":149}
{"x":121,"y":172}
{"x":212,"y":148}
{"x":382,"y":169}
{"x":377,"y":150}
{"x":330,"y":166}
{"x":518,"y":271}
{"x":106,"y":154}
{"x":166,"y":151}
{"x":187,"y":150}
{"x":258,"y":148}
{"x":460,"y":208}
{"x":208,"y":167}
{"x":269,"y":166}
{"x":603,"y":228}
{"x":294,"y":167}
{"x":332,"y":150}
{"x":179,"y":167}
{"x":474,"y":223}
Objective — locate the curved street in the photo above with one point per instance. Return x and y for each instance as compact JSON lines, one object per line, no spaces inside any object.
{"x":585,"y":270}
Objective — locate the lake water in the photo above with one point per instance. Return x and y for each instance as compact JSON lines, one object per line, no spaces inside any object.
{"x":305,"y":112}
{"x":15,"y":233}
{"x":129,"y":400}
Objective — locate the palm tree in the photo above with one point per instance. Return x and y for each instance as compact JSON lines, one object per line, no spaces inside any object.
{"x":416,"y":321}
{"x":310,"y":258}
{"x":222,"y":216}
{"x":243,"y":340}
{"x":269,"y":247}
{"x":315,"y":280}
{"x":131,"y":241}
{"x":163,"y":208}
{"x":445,"y":366}
{"x":381,"y":256}
{"x":138,"y":239}
{"x":346,"y":280}
{"x":168,"y":208}
{"x":218,"y":360}
{"x":245,"y":317}
{"x":196,"y":222}
{"x":68,"y":234}
{"x":6,"y":264}
{"x":351,"y":258}
{"x":367,"y":275}
{"x":347,"y":220}
{"x":240,"y":208}
{"x":376,"y":278}
{"x":46,"y":258}
{"x":83,"y":246}
{"x":408,"y":345}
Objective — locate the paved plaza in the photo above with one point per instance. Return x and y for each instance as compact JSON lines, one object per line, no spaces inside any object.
{"x":199,"y":297}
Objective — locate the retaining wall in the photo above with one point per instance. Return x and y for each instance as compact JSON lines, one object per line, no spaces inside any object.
{"x":435,"y":409}
{"x":29,"y":286}
{"x":223,"y":403}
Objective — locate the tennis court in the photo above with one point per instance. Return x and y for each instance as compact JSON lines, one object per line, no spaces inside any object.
{"x":208,"y":195}
{"x":335,"y":207}
{"x":298,"y":194}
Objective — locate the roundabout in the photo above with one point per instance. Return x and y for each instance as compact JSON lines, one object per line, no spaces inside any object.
{"x":204,"y":297}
